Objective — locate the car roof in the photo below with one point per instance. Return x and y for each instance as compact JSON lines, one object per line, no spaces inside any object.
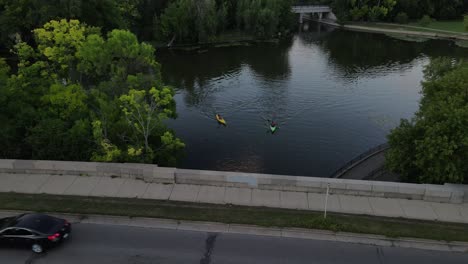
{"x":36,"y":222}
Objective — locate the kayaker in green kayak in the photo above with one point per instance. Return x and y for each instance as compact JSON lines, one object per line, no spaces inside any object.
{"x":273,"y":126}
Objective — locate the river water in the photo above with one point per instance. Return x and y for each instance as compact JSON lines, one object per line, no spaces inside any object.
{"x":334,"y":94}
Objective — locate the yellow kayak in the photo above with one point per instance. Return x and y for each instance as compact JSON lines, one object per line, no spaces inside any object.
{"x":220,"y":120}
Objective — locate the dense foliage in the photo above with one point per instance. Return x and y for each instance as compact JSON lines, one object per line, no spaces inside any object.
{"x":425,"y":21}
{"x":195,"y":20}
{"x":401,"y":18}
{"x":188,"y":20}
{"x":203,"y":20}
{"x":82,"y":96}
{"x":438,"y":9}
{"x":369,"y":10}
{"x":433,"y":146}
{"x":19,"y":17}
{"x":388,"y":10}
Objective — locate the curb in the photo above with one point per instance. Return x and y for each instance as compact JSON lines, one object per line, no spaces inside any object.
{"x":300,"y":233}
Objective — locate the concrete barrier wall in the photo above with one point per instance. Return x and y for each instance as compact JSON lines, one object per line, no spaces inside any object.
{"x":146,"y":172}
{"x":461,"y":187}
{"x":449,"y":193}
{"x":428,"y":192}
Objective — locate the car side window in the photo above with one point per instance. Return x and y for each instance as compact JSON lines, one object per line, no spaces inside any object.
{"x":22,"y":232}
{"x":16,"y":232}
{"x":8,"y":232}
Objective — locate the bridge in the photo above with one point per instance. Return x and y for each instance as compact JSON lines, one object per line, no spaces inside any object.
{"x":313,"y":12}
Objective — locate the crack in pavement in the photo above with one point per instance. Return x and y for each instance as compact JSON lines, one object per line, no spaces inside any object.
{"x":209,"y":247}
{"x":380,"y":255}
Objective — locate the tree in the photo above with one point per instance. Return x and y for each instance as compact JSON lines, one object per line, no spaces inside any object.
{"x":433,"y":146}
{"x":73,"y":97}
{"x":170,"y":149}
{"x":425,"y":21}
{"x":438,"y":9}
{"x":190,"y":20}
{"x":401,"y":18}
{"x":201,"y":20}
{"x":4,"y":73}
{"x":19,"y":17}
{"x":128,"y":9}
{"x":62,"y":129}
{"x":58,"y":41}
{"x":21,"y":97}
{"x":177,"y":21}
{"x":106,"y":151}
{"x":7,"y":127}
{"x":363,"y":10}
{"x":264,"y":18}
{"x":115,"y":59}
{"x":144,"y":112}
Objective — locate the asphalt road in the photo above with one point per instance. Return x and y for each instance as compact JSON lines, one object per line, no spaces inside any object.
{"x":107,"y":244}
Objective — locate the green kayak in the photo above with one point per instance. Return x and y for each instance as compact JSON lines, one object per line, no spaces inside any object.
{"x":273,"y":129}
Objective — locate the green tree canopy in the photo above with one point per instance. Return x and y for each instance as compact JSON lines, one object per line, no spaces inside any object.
{"x":438,"y":9}
{"x":19,"y":17}
{"x":200,"y":21}
{"x":73,"y":98}
{"x":363,"y":10}
{"x":433,"y":146}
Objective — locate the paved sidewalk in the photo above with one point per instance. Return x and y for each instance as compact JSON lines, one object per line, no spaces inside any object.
{"x":130,"y":188}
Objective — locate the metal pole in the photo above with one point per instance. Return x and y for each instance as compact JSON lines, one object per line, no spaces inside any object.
{"x":326,"y":201}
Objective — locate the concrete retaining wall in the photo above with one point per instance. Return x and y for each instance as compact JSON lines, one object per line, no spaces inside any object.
{"x":449,"y":193}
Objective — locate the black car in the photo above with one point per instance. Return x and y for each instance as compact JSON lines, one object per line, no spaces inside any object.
{"x":36,"y":231}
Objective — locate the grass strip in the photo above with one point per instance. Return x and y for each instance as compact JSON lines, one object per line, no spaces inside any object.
{"x":451,"y":25}
{"x":260,"y":216}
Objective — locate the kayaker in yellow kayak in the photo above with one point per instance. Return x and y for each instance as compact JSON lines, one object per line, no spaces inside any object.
{"x":220,"y":119}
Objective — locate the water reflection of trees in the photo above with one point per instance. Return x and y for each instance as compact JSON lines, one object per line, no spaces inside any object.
{"x":357,"y":53}
{"x":194,"y":71}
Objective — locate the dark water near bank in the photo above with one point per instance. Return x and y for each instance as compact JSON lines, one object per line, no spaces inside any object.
{"x":334,"y":93}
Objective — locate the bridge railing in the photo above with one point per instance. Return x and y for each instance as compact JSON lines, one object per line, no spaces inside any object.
{"x":311,"y":9}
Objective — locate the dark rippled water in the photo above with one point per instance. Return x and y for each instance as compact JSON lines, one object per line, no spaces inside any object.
{"x":334,"y":93}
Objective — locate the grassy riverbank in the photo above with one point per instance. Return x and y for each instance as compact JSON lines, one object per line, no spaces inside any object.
{"x":448,"y":30}
{"x":447,"y":27}
{"x":260,"y":216}
{"x":451,"y":26}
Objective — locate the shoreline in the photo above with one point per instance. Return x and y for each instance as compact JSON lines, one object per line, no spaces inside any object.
{"x":375,"y":29}
{"x":216,"y":44}
{"x":234,"y":42}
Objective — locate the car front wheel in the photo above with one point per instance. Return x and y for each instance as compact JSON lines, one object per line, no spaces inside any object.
{"x":37,"y":248}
